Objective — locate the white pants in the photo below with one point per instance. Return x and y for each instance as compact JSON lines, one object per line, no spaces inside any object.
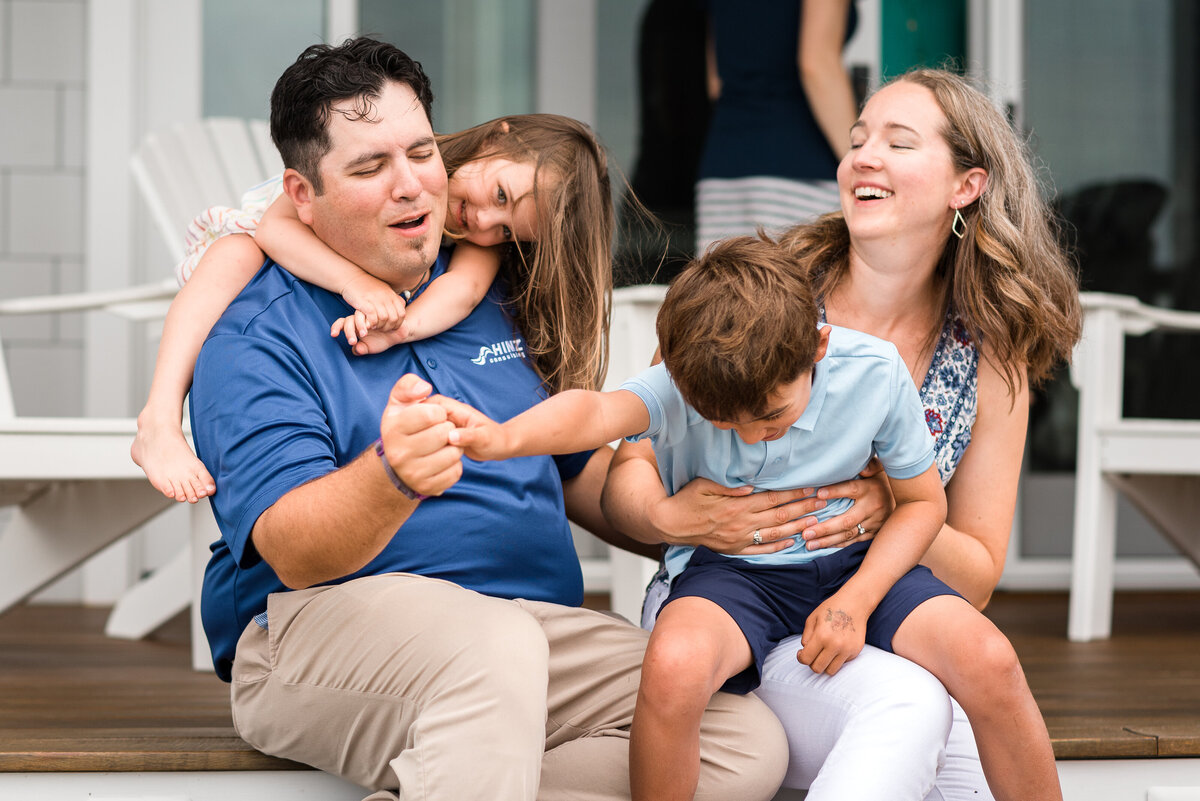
{"x":881,"y":728}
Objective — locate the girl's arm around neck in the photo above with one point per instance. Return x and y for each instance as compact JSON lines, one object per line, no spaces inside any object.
{"x":452,"y":296}
{"x":295,"y":247}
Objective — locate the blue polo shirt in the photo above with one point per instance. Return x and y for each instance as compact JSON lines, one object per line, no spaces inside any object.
{"x":277,"y":402}
{"x":863,"y":402}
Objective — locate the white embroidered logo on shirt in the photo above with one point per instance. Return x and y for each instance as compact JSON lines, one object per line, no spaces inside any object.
{"x":500,"y":352}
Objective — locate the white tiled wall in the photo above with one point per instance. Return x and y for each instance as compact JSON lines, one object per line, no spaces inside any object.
{"x":42,"y":86}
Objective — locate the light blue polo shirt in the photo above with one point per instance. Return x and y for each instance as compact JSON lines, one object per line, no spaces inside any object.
{"x":863,"y":402}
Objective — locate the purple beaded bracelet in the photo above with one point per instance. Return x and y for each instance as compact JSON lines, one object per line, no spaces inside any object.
{"x":391,"y":474}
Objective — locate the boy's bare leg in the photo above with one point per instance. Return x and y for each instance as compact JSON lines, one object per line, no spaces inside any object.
{"x":694,"y":648}
{"x":976,"y":662}
{"x":160,"y":448}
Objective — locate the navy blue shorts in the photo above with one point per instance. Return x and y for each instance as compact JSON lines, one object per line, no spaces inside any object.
{"x":771,"y":602}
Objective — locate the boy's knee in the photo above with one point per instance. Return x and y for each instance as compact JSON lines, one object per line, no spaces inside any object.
{"x":678,"y":670}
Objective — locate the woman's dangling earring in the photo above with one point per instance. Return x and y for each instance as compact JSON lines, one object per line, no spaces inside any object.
{"x":959,"y":226}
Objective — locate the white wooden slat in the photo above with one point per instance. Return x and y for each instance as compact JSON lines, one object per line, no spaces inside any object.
{"x":151,"y":171}
{"x":200,"y":153}
{"x":632,"y":341}
{"x":260,"y":132}
{"x":86,"y":301}
{"x":7,"y":409}
{"x":237,"y":155}
{"x":177,"y":174}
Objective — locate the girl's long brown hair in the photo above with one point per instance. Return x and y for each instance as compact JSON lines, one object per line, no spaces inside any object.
{"x":561,"y":284}
{"x":1008,"y":279}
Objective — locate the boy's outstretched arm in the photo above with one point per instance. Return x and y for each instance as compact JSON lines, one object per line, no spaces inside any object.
{"x":571,"y":421}
{"x":836,"y":630}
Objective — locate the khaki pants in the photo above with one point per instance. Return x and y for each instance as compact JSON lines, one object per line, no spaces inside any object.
{"x":413,"y":685}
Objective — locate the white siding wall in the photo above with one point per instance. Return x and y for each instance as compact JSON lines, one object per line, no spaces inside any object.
{"x":42,"y":85}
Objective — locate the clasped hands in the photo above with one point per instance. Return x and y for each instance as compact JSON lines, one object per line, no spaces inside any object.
{"x":416,"y":431}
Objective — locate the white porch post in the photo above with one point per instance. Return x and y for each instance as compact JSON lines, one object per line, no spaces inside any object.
{"x":143,"y":71}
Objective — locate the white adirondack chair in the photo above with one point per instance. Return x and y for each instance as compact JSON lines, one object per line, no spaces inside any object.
{"x":71,"y":483}
{"x":1155,"y":463}
{"x":184,"y":170}
{"x":180,"y":172}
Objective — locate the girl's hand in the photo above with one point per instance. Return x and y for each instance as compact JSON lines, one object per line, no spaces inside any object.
{"x":833,"y":634}
{"x":378,"y":307}
{"x":873,"y":503}
{"x":725,"y":520}
{"x":371,"y":340}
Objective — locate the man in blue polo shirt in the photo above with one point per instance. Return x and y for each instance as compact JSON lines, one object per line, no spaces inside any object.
{"x":429,"y":648}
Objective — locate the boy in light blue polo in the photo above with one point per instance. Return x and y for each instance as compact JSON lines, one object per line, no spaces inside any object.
{"x":752,"y":392}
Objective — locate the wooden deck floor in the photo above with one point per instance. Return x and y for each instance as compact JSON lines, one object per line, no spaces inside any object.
{"x":75,"y":700}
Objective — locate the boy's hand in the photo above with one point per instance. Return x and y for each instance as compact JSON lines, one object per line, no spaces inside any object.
{"x":378,"y":307}
{"x":833,"y":634}
{"x":480,"y":437}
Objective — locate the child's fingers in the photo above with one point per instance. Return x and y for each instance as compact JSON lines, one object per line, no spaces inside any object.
{"x":466,"y":438}
{"x":459,"y":413}
{"x":836,"y":664}
{"x":360,"y":324}
{"x":345,"y":325}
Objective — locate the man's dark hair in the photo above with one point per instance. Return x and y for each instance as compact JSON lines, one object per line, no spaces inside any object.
{"x":356,"y":70}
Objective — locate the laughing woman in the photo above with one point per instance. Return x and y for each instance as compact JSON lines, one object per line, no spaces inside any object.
{"x":944,"y":247}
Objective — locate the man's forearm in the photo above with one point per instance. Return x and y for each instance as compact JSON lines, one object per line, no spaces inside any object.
{"x":332,"y":526}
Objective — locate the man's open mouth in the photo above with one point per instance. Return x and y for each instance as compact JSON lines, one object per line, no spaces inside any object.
{"x":415,"y":222}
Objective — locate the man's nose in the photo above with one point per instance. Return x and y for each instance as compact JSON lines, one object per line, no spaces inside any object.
{"x":406,"y":183}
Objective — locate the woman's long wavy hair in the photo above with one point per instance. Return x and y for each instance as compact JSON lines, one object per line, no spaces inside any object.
{"x":561,"y":284}
{"x":1008,"y":279}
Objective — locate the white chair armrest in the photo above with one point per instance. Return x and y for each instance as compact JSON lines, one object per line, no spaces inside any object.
{"x":126,"y":301}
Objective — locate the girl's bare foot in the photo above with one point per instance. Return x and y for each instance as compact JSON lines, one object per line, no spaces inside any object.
{"x":161,"y":450}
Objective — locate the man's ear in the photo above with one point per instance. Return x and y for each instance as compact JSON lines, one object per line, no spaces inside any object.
{"x":301,"y":192}
{"x":971,"y":186}
{"x":822,"y":343}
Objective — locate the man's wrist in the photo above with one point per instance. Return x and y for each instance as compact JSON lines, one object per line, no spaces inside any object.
{"x":397,"y":482}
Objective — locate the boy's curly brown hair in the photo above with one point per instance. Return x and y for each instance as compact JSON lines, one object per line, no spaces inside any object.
{"x":738,"y":323}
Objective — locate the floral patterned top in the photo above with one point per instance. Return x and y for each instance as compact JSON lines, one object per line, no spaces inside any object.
{"x":949,"y":394}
